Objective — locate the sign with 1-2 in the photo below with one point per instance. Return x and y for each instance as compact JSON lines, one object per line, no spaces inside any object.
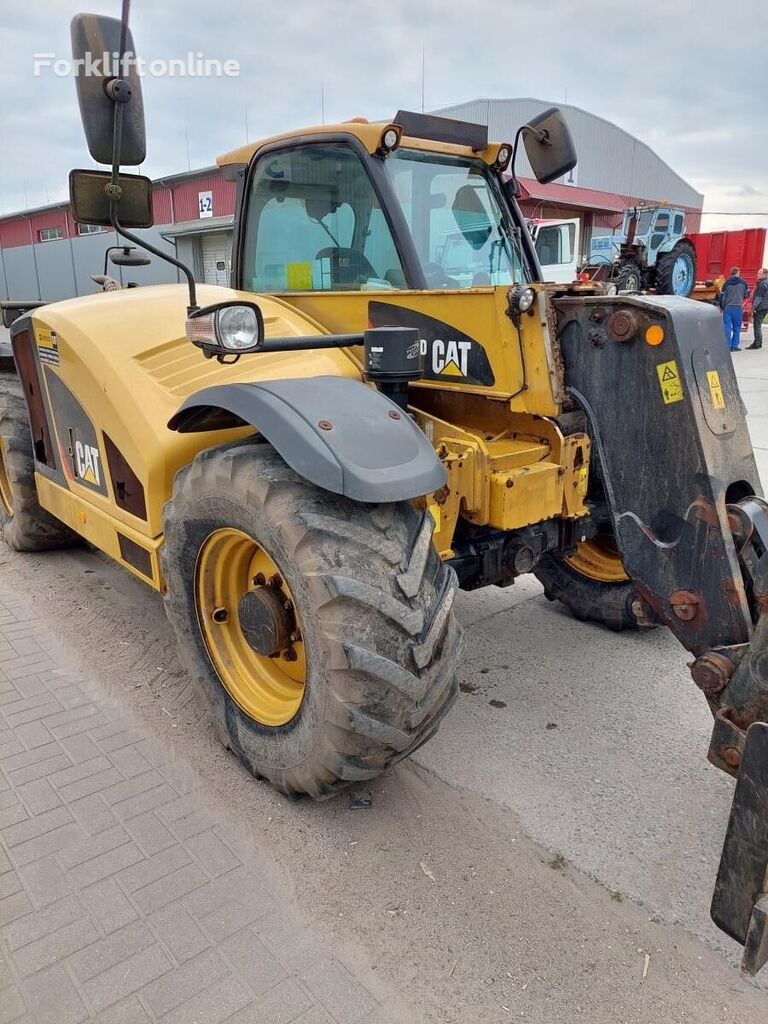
{"x":205,"y":203}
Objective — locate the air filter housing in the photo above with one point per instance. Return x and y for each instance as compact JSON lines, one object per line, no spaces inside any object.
{"x":392,"y":359}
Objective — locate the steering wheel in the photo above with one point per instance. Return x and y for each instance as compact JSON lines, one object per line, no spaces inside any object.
{"x":437,"y":277}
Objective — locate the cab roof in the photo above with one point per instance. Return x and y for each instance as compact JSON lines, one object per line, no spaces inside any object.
{"x":421,"y":131}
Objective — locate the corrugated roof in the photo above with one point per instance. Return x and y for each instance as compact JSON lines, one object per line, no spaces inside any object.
{"x":611,"y":159}
{"x":572,"y":195}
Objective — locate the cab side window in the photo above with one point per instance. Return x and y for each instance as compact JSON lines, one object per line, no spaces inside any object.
{"x":314,"y":223}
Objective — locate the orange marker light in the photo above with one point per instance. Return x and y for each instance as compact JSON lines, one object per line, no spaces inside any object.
{"x":654,"y":335}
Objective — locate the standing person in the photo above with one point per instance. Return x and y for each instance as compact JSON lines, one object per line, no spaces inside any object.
{"x":734,"y":294}
{"x":759,"y":307}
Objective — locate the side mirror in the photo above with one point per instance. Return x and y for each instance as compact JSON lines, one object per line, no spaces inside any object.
{"x":90,"y":203}
{"x":226,"y":329}
{"x":549,"y":145}
{"x":126,"y":256}
{"x":102,"y":82}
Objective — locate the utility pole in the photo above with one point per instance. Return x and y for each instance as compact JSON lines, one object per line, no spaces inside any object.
{"x":423,"y":76}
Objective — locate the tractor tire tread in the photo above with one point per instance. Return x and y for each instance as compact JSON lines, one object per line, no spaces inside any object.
{"x":665,"y":266}
{"x":380,"y":702}
{"x":608,"y":604}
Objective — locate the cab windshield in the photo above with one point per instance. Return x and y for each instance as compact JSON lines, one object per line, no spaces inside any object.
{"x":315,"y":222}
{"x":456,"y":220}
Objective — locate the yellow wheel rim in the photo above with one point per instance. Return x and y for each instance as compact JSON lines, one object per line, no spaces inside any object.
{"x":598,"y":559}
{"x":269,"y":689}
{"x":6,"y":494}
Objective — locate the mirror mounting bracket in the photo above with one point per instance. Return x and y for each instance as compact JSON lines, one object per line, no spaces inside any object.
{"x":118,"y":90}
{"x":142,"y":243}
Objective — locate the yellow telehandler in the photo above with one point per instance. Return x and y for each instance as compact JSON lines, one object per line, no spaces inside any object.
{"x":388,"y":403}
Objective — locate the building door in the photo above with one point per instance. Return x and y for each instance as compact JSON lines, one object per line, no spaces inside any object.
{"x":217,"y":249}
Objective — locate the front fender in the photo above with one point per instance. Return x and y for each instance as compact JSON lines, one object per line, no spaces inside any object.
{"x":335,"y":432}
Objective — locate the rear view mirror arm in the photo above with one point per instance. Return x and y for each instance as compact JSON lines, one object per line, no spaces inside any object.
{"x":119,"y":91}
{"x":143,"y":244}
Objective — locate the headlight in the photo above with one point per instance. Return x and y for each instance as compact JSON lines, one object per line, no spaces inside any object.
{"x":390,"y":139}
{"x":521,"y":299}
{"x":237,"y":327}
{"x":526,"y":299}
{"x":503,"y":157}
{"x":226,"y":328}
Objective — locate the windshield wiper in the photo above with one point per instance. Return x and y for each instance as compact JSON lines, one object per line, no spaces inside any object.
{"x":507,"y":244}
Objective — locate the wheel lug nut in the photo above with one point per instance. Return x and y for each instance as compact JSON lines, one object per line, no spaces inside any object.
{"x":290,"y":655}
{"x":259,"y":579}
{"x":275,"y":581}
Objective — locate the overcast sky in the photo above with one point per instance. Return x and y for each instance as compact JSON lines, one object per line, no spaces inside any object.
{"x":686,"y":76}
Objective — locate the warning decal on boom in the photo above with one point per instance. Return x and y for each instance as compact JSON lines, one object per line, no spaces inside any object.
{"x":715,"y":389}
{"x":669,"y":382}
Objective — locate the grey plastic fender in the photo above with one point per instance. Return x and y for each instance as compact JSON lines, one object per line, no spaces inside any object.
{"x":335,"y":432}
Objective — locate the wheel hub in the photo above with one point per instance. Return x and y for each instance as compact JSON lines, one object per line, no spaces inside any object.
{"x":250,"y":628}
{"x":267,"y":624}
{"x":598,"y":559}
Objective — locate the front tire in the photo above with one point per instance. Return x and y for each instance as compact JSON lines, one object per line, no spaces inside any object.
{"x":628,"y":277}
{"x":373,"y":617}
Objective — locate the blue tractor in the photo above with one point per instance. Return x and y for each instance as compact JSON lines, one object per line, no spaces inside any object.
{"x":653,"y":252}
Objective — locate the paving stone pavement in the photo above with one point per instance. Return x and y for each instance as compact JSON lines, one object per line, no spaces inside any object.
{"x":124,"y":897}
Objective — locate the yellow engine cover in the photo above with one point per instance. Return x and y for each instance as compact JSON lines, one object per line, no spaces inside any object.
{"x":121,"y":361}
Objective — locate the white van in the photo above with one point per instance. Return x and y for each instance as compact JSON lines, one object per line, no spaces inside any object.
{"x":557,"y":246}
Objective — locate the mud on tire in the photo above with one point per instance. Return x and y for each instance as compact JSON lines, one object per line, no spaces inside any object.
{"x":374,"y":602}
{"x":25,"y":526}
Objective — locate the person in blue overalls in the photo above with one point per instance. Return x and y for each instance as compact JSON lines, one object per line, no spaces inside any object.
{"x":733,"y":295}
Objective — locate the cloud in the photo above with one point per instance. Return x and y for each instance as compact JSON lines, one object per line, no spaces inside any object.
{"x":746,"y":191}
{"x":682,"y":76}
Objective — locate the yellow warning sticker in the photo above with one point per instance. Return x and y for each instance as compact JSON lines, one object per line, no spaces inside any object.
{"x":47,"y":345}
{"x":299,"y":277}
{"x":715,"y":389}
{"x":669,"y":382}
